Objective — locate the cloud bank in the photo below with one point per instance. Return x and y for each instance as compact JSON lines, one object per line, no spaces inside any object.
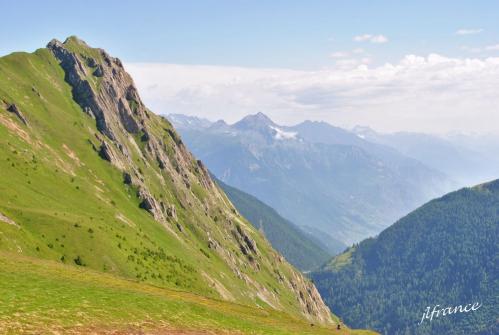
{"x":371,"y":38}
{"x":432,"y":94}
{"x":464,"y":31}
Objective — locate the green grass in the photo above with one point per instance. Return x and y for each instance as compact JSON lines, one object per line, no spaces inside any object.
{"x":56,"y":201}
{"x":74,"y":214}
{"x":341,"y":260}
{"x":49,"y":296}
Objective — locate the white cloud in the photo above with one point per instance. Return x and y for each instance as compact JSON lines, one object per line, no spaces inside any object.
{"x":346,"y":54}
{"x":494,"y":47}
{"x":432,"y":93}
{"x":339,"y":54}
{"x":349,"y":63}
{"x":464,"y":31}
{"x":471,"y":49}
{"x":371,"y":38}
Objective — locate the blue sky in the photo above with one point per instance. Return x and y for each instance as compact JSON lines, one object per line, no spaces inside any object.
{"x":289,"y":34}
{"x":430,"y":66}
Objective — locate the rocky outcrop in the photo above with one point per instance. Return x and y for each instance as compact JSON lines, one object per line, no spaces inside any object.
{"x":171,"y":211}
{"x":106,"y":153}
{"x":246,"y":243}
{"x":150,"y":204}
{"x":85,"y":73}
{"x":127,"y":178}
{"x":204,"y":175}
{"x":83,"y":94}
{"x":15,"y":110}
{"x":5,"y":219}
{"x":309,"y":298}
{"x":106,"y":92}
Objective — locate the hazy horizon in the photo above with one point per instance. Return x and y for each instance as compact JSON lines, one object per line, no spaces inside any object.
{"x":430,"y":67}
{"x":433,"y":94}
{"x":442,"y":135}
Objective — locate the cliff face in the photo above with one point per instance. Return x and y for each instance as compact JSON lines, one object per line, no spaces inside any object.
{"x":105,"y":91}
{"x":159,"y":215}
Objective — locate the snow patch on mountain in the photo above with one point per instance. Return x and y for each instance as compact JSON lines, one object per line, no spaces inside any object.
{"x":283,"y":135}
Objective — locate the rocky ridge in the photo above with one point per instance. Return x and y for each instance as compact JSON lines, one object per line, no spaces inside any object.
{"x":154,"y":161}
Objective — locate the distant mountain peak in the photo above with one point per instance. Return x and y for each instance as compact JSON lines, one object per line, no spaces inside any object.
{"x":220,"y":124}
{"x":187,"y":121}
{"x":362,"y":129}
{"x":254,"y":121}
{"x":310,"y":122}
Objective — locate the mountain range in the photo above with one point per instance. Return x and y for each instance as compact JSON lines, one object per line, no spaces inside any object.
{"x":108,"y":224}
{"x":467,"y":159}
{"x":327,"y":180}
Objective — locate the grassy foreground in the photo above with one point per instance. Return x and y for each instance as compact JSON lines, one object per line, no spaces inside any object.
{"x":61,"y":201}
{"x":41,"y":296}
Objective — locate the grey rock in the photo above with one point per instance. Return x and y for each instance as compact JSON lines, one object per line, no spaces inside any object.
{"x":180,"y":228}
{"x":127,"y":178}
{"x":171,"y":211}
{"x":246,"y":244}
{"x":105,"y":152}
{"x":126,"y":117}
{"x":145,"y":136}
{"x":88,"y":111}
{"x":14,"y":109}
{"x":99,"y":71}
{"x":91,"y":62}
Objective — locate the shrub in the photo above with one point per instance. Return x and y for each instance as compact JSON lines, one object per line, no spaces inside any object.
{"x":79,"y":261}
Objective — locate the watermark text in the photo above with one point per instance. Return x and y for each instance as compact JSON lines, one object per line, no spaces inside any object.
{"x":438,"y":311}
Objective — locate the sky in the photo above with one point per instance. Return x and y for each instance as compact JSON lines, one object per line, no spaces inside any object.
{"x":428,"y":66}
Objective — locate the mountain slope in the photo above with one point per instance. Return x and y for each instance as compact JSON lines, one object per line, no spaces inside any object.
{"x":296,"y":246}
{"x":467,"y":163}
{"x":444,"y":253}
{"x":335,"y":185}
{"x":92,"y":178}
{"x":41,"y":296}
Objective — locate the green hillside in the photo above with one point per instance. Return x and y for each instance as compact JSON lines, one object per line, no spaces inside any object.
{"x":444,"y":253}
{"x":40,"y":296}
{"x":296,"y":246}
{"x":94,"y":181}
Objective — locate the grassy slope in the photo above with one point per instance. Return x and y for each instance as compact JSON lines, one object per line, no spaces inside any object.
{"x":285,"y":237}
{"x":70,"y":206}
{"x":49,"y":296}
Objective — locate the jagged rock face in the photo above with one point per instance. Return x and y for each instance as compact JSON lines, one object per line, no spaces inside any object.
{"x":104,"y":90}
{"x":113,"y":102}
{"x":171,"y":184}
